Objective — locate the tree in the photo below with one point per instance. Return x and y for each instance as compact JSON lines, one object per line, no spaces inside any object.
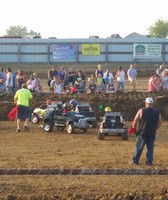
{"x":21,"y":31}
{"x":159,"y":29}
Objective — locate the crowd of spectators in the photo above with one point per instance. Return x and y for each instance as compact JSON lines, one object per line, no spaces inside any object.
{"x":11,"y":81}
{"x":68,"y":81}
{"x":158,"y":80}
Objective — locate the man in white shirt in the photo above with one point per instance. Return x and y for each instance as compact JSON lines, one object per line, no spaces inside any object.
{"x":108,"y":77}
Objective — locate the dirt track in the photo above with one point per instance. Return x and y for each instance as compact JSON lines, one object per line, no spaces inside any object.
{"x":36,"y":148}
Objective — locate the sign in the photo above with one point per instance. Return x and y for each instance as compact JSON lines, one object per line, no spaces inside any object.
{"x":147,"y":51}
{"x":90,"y":49}
{"x":64,"y":52}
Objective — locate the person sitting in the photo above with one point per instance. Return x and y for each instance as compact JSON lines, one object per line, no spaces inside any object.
{"x":56,"y":85}
{"x":160,"y":70}
{"x":154,"y":83}
{"x":92,"y":86}
{"x":110,"y":87}
{"x":164,"y":80}
{"x":33,"y":84}
{"x":80,"y":81}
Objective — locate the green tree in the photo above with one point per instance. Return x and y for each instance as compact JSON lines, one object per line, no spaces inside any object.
{"x":159,"y":29}
{"x":21,"y":31}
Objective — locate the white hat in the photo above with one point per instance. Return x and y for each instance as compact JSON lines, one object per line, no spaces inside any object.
{"x":149,"y":100}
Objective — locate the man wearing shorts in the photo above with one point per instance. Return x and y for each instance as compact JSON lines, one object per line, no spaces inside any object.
{"x":22,"y":98}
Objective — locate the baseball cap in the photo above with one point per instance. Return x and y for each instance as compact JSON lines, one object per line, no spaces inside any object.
{"x":149,"y":100}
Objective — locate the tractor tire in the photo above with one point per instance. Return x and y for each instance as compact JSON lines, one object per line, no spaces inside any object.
{"x":35,"y":119}
{"x":70,"y":129}
{"x":125,"y":136}
{"x":48,"y":127}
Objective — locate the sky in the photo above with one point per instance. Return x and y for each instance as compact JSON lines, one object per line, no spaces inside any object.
{"x":82,"y":18}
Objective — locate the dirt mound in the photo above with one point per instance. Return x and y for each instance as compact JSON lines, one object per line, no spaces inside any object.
{"x":127,"y":103}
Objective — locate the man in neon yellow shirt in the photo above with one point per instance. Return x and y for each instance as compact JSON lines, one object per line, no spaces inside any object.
{"x":22,"y":99}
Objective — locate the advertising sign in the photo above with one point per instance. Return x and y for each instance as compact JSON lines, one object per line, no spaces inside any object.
{"x":90,"y":49}
{"x":64,"y":52}
{"x":147,"y":51}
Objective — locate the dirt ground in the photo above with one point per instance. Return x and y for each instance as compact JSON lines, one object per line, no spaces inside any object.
{"x":40,"y":149}
{"x":58,"y":149}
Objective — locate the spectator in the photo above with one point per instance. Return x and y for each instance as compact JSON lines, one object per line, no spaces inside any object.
{"x":20,"y":79}
{"x":99,"y":71}
{"x":2,"y":80}
{"x":80,"y":80}
{"x":108,"y":77}
{"x":70,"y":77}
{"x":51,"y":73}
{"x":22,"y":98}
{"x":9,"y":80}
{"x":132,"y":74}
{"x":92,"y":87}
{"x":120,"y":75}
{"x":62,"y":74}
{"x":67,"y":89}
{"x":160,"y":70}
{"x":110,"y":87}
{"x":33,"y":83}
{"x":14,"y":80}
{"x":152,"y":84}
{"x":100,"y":84}
{"x":56,"y":85}
{"x":164,"y":80}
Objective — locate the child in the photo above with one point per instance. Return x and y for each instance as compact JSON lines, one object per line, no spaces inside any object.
{"x":110,"y":87}
{"x":92,"y":87}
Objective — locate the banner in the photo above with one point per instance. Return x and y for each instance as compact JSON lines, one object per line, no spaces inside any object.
{"x":147,"y":51}
{"x":90,"y":49}
{"x":64,"y":52}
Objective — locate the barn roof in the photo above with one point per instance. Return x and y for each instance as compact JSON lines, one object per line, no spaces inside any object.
{"x":136,"y":35}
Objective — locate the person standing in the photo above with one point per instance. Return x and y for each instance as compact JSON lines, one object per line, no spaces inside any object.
{"x":9,"y":80}
{"x":22,"y":99}
{"x":108,"y":77}
{"x":132,"y":74}
{"x":146,"y":122}
{"x":2,"y":80}
{"x":51,"y":73}
{"x":120,"y":75}
{"x":99,"y":70}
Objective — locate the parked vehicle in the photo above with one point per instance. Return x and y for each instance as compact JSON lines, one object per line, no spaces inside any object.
{"x":113,"y":124}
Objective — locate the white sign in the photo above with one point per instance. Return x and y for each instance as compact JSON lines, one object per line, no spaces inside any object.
{"x":147,"y":51}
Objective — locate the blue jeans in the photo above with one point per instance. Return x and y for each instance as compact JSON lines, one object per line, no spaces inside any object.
{"x":120,"y":86}
{"x":140,"y":143}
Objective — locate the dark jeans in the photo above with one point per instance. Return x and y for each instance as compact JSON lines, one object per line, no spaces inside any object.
{"x":140,"y":143}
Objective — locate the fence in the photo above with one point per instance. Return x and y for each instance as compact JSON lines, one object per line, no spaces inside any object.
{"x":67,"y":183}
{"x":107,"y":50}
